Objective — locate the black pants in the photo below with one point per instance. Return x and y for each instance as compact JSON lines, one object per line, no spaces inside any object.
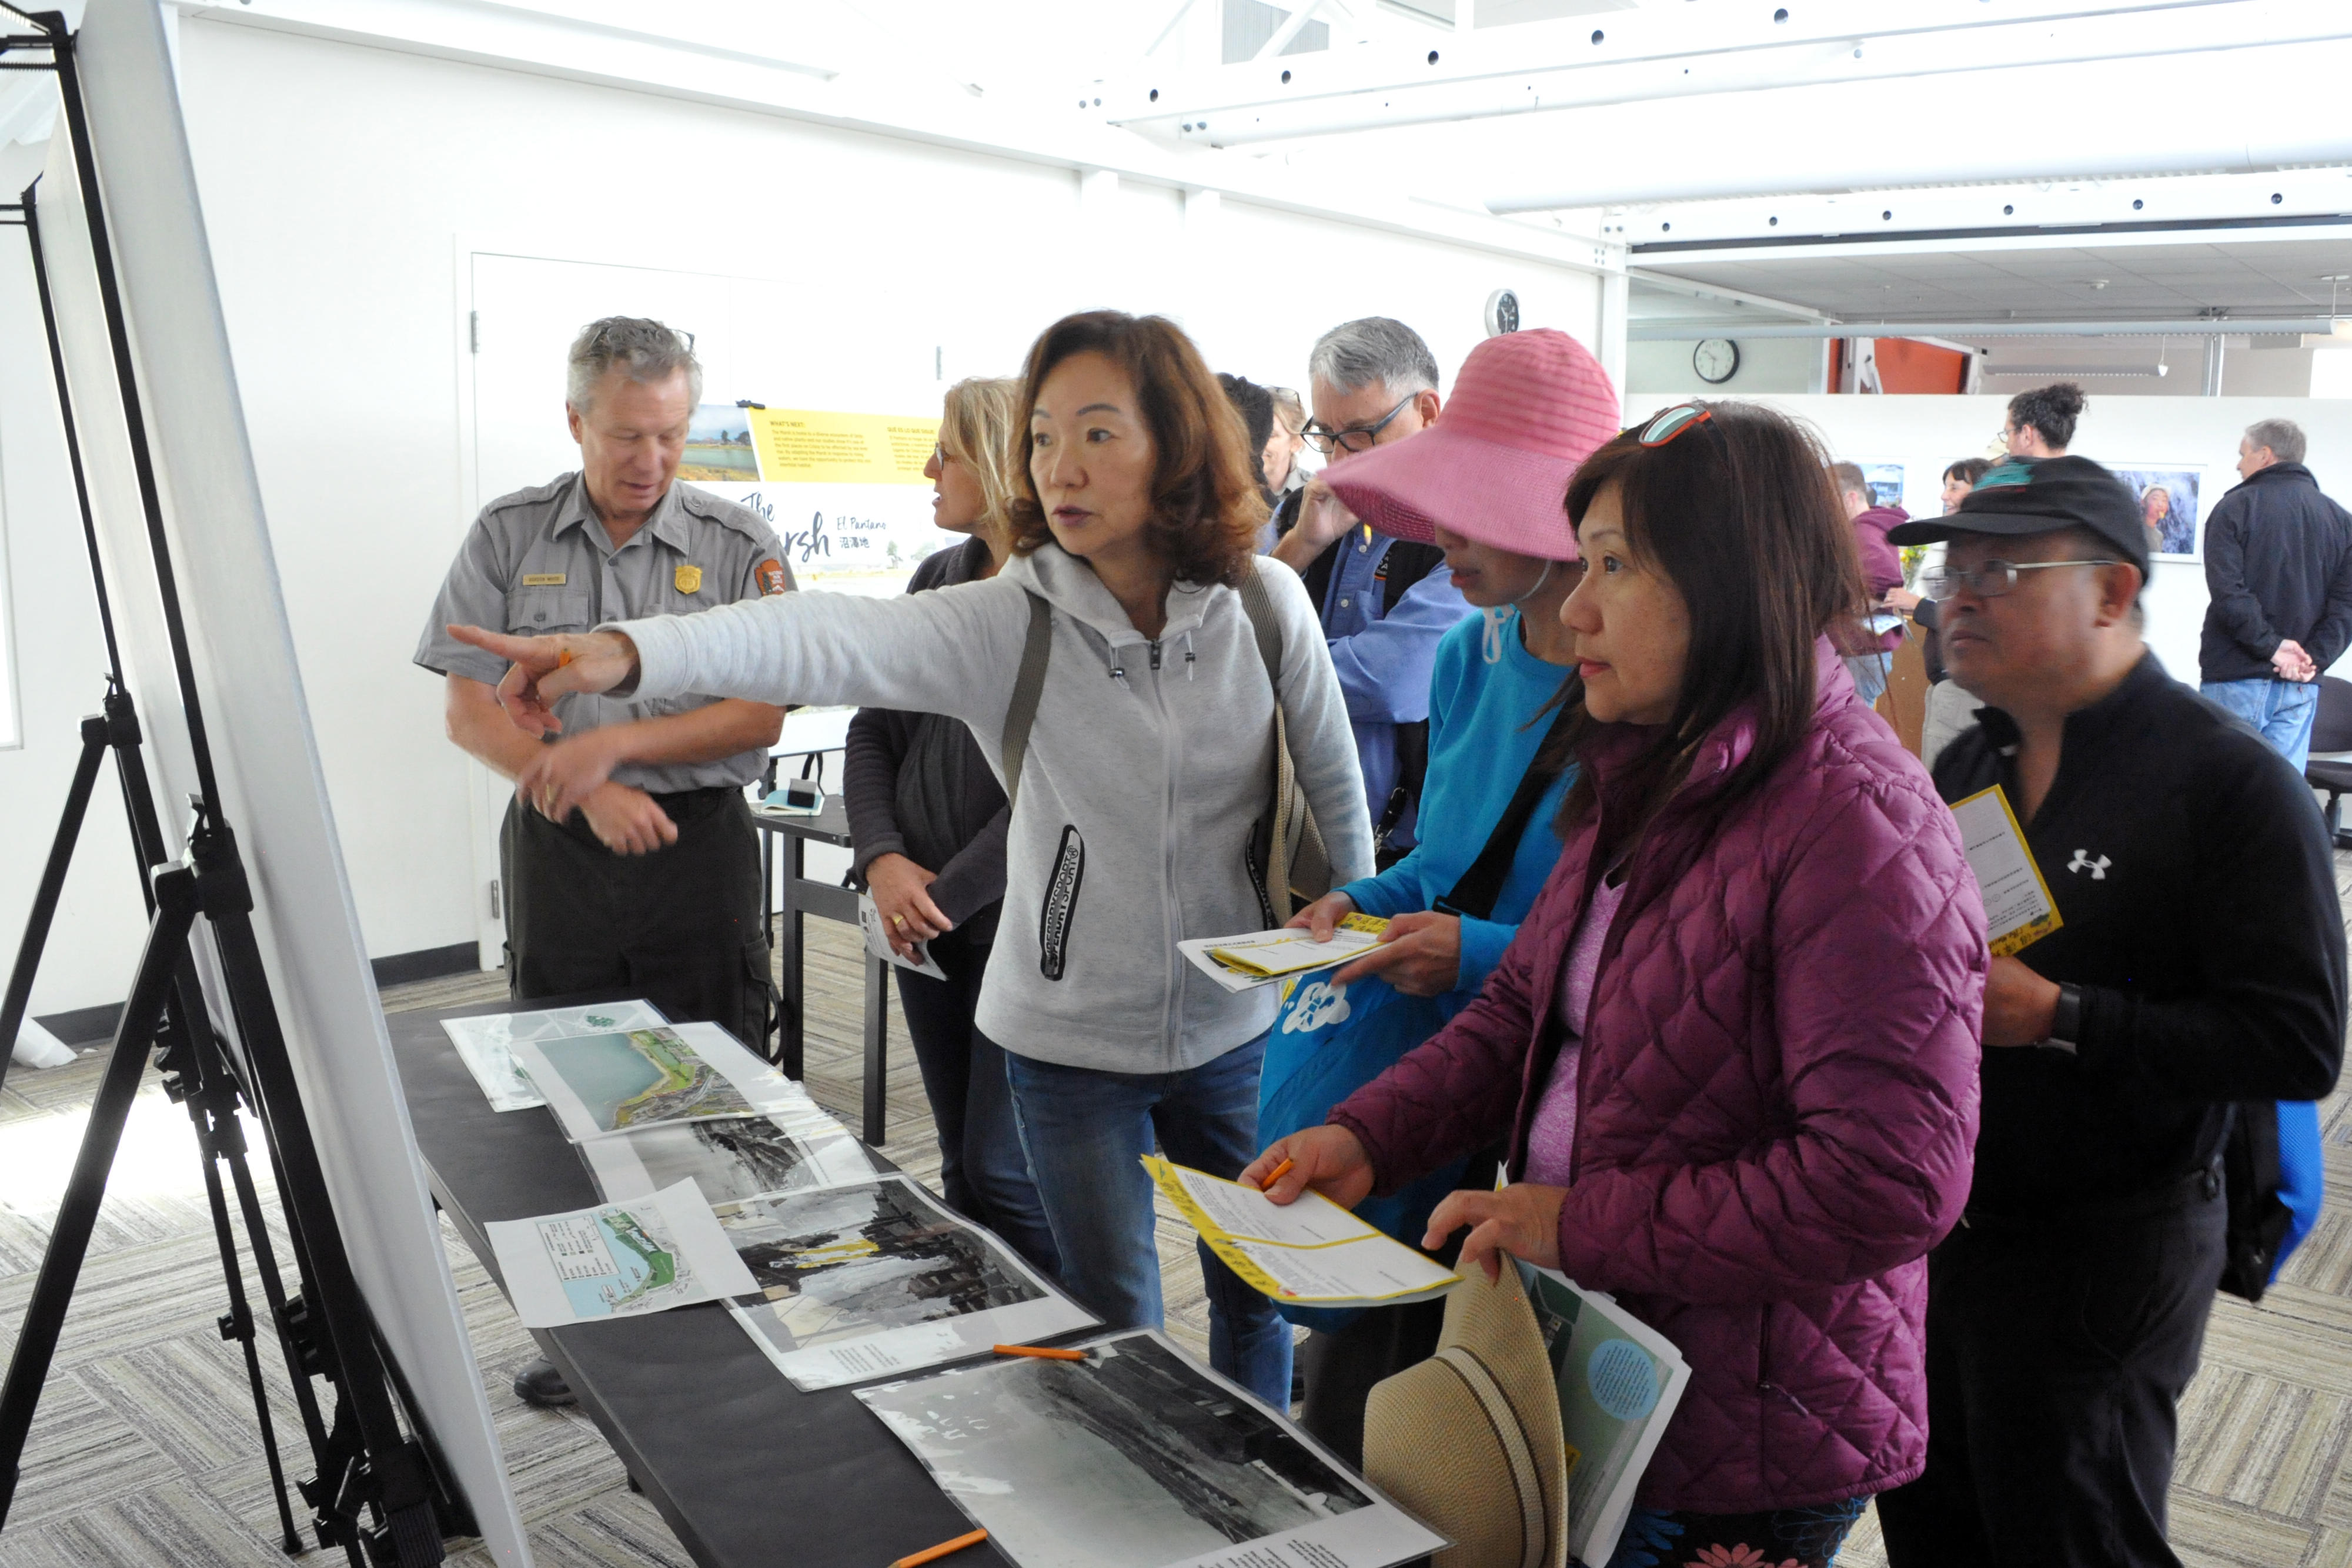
{"x":2056,"y":1353}
{"x":681,"y":927}
{"x":984,"y":1174}
{"x":1341,"y":1365}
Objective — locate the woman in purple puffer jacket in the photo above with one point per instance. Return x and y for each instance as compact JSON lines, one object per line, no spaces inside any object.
{"x":1733,"y":1049}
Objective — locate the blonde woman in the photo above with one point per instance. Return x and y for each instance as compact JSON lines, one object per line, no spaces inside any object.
{"x":928,"y":820}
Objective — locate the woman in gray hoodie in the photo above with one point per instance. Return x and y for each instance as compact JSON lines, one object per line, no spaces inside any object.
{"x":1147,"y":768}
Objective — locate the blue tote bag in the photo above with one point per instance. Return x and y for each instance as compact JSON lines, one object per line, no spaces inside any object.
{"x":1330,"y":1040}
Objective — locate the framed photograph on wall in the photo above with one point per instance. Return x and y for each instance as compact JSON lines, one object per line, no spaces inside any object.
{"x":2170,"y":501}
{"x":1885,"y":483}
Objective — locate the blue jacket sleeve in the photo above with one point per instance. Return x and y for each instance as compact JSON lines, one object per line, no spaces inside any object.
{"x":1483,"y":942}
{"x":1384,"y":669}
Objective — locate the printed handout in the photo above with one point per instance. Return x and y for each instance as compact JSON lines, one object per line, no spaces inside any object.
{"x":483,"y":1043}
{"x":606,"y":1083}
{"x":1313,"y":1252}
{"x":1138,"y":1457}
{"x":2019,"y":909}
{"x":731,"y":1159}
{"x":1618,"y":1382}
{"x":617,"y":1260}
{"x":1255,"y":958}
{"x":870,"y":1278}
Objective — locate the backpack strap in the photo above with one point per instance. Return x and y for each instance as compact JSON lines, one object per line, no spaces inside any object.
{"x":1028,"y":686}
{"x":1475,"y":894}
{"x":1259,"y":604}
{"x":1296,"y":863}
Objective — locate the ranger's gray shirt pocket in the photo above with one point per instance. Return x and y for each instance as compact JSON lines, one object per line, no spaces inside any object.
{"x":538,"y":611}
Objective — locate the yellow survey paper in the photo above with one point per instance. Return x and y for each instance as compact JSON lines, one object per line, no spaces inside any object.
{"x":1313,"y":1252}
{"x":2019,"y":909}
{"x":1286,"y":952}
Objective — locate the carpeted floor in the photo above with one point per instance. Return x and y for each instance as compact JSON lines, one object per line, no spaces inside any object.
{"x":144,"y":1451}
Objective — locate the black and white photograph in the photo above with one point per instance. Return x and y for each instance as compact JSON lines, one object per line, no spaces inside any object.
{"x":1134,"y":1458}
{"x":872,"y":1278}
{"x":729,"y":1160}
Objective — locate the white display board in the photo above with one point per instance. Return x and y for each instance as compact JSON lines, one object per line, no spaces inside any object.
{"x":272,"y":786}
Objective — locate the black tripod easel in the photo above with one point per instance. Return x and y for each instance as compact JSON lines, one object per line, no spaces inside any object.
{"x":378,"y":1492}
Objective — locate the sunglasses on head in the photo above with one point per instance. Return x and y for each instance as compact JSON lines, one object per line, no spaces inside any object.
{"x":1674,"y":422}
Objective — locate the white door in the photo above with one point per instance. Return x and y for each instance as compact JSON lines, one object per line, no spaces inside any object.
{"x":525,"y":311}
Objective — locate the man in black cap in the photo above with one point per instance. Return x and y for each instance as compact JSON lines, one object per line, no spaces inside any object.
{"x":2200,"y":962}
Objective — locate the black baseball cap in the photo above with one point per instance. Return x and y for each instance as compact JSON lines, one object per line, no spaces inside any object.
{"x":2037,"y":496}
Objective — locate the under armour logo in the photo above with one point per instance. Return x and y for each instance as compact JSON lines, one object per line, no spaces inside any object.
{"x":2083,"y":862}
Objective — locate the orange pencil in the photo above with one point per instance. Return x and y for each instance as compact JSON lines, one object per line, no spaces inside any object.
{"x":1275,"y":1175}
{"x":933,"y":1553}
{"x":1046,"y":1353}
{"x":562,"y":658}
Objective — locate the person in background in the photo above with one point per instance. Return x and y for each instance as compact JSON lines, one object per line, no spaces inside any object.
{"x":2041,"y":422}
{"x":1733,"y":1047}
{"x":629,"y":857}
{"x":1882,"y":575}
{"x":1383,"y":602}
{"x":1949,"y":709}
{"x":2200,"y":962}
{"x":1255,"y":405}
{"x":1147,"y":765}
{"x":919,"y":795}
{"x":1531,"y":405}
{"x":1280,"y":459}
{"x":2278,"y":566}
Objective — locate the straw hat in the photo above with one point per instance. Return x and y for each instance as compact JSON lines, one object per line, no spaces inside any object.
{"x":1528,"y":409}
{"x":1469,"y":1441}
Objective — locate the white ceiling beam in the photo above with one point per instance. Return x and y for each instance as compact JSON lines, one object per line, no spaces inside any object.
{"x":1290,"y":28}
{"x":1661,"y":283}
{"x":1801,"y":224}
{"x":1884,"y":135}
{"x":1677,"y":331}
{"x":1697,"y":48}
{"x":542,"y":38}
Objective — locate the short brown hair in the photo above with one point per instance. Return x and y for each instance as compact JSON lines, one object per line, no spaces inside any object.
{"x":1739,"y":515}
{"x":1206,"y":510}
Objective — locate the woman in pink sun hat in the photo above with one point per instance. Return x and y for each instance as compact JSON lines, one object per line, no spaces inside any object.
{"x":1484,"y":483}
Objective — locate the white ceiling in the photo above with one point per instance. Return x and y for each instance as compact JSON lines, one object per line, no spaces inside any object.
{"x":2155,"y":282}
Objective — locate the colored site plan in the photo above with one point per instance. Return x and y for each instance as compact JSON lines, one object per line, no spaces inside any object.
{"x":618,"y":1260}
{"x":603,"y":1084}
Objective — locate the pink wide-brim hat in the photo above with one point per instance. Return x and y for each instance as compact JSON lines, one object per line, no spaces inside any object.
{"x":1528,"y":409}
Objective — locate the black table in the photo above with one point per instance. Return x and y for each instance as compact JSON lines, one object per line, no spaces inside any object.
{"x":748,"y":1471}
{"x":802,"y":896}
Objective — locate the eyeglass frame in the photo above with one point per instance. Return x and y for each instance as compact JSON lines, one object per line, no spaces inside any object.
{"x":1947,"y":577}
{"x":1316,"y":433}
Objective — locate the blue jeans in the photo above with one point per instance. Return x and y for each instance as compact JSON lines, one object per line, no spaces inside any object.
{"x":2280,"y":711}
{"x":1086,"y":1133}
{"x":984,"y":1174}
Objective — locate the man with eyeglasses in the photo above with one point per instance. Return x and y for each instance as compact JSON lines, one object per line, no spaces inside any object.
{"x":629,"y":857}
{"x":1384,"y":602}
{"x":2200,"y":964}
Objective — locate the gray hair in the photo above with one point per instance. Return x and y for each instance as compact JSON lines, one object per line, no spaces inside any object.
{"x":1355,"y":354}
{"x":641,"y":350}
{"x":2282,"y":436}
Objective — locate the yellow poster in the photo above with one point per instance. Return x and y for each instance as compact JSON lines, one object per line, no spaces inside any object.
{"x":816,"y":446}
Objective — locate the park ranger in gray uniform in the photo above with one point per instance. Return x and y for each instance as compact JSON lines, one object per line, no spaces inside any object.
{"x":628,"y":856}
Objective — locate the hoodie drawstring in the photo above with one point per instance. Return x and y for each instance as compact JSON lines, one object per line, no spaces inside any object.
{"x":1491,"y":643}
{"x":1188,"y":655}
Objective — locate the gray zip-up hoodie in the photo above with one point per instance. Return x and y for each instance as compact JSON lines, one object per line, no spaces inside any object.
{"x":1148,"y":767}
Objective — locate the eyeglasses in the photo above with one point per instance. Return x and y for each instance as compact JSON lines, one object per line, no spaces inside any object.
{"x":1674,"y":422}
{"x":1990,"y":580}
{"x":1356,"y":437}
